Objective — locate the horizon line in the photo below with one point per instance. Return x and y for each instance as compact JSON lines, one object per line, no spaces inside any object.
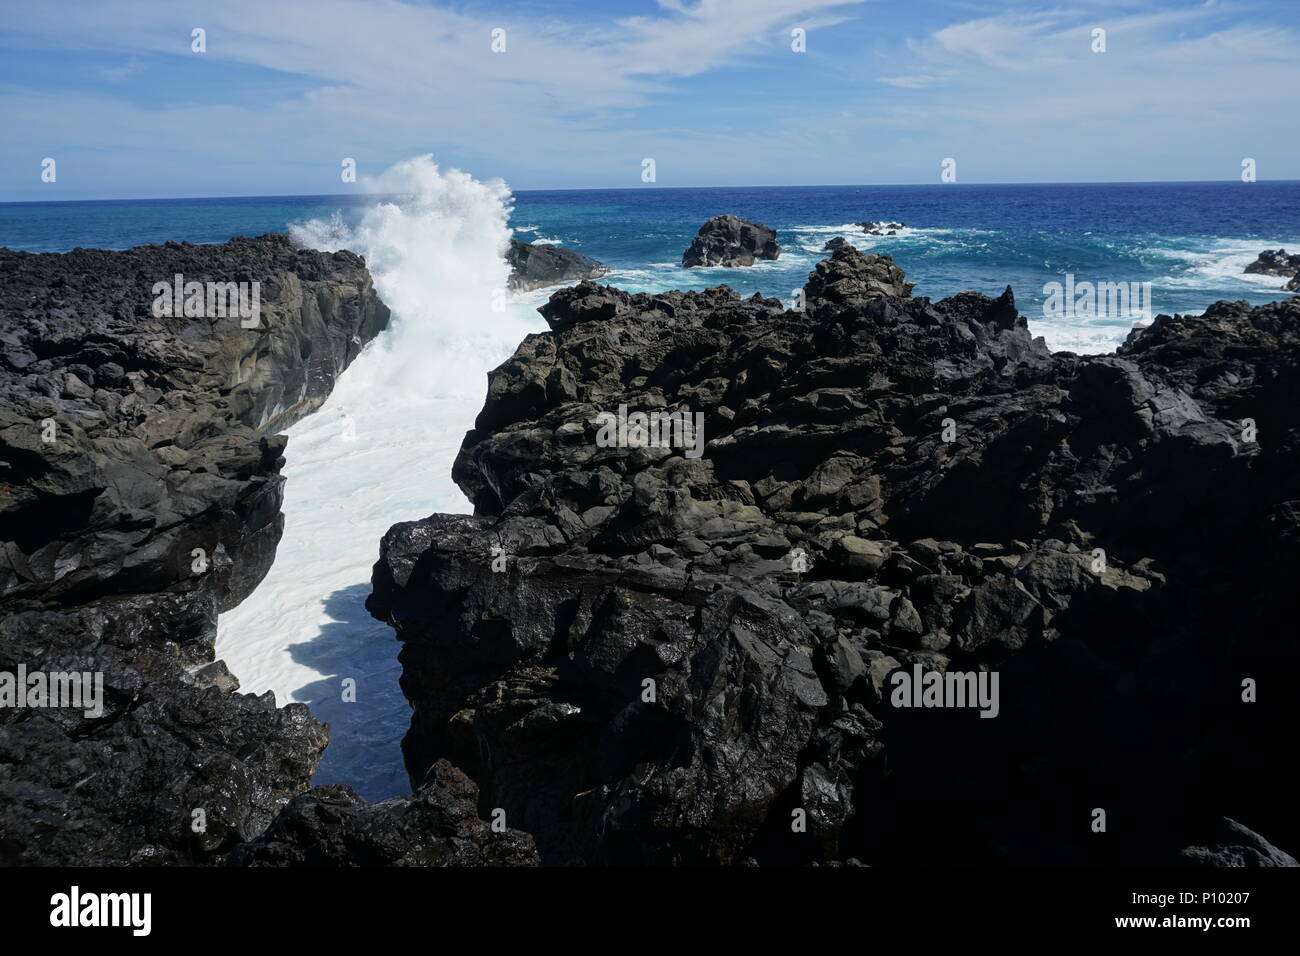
{"x":651,"y":187}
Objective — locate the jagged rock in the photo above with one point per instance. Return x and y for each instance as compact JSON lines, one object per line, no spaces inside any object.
{"x":850,"y":278}
{"x":534,"y":266}
{"x":1278,"y":263}
{"x":1232,"y":845}
{"x":730,"y":241}
{"x":436,"y":826}
{"x":885,"y":228}
{"x":140,"y":494}
{"x":1275,"y":262}
{"x":835,"y":243}
{"x":679,"y":652}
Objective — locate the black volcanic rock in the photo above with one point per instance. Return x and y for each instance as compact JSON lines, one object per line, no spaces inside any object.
{"x":729,"y":241}
{"x":1275,"y":262}
{"x":140,"y":495}
{"x":834,"y":244}
{"x":645,"y":656}
{"x":850,"y":277}
{"x":1278,"y":263}
{"x":885,"y":228}
{"x":437,"y":826}
{"x":534,"y":266}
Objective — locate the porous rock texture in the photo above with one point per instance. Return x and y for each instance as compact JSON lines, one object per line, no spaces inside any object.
{"x":140,"y":495}
{"x":649,"y":658}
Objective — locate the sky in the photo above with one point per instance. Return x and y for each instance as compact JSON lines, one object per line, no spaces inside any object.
{"x":584,"y":91}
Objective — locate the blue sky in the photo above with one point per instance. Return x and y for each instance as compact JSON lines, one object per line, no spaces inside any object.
{"x":710,"y":89}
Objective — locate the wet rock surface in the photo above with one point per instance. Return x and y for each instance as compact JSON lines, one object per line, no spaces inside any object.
{"x":646,"y":656}
{"x":535,"y":266}
{"x":884,"y":228}
{"x":140,"y":495}
{"x":1276,"y":262}
{"x":732,"y":242}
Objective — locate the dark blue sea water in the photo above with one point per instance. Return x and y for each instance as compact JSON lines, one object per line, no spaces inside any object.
{"x":1190,"y":240}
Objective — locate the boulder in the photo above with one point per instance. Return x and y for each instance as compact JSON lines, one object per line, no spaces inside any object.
{"x":729,"y":241}
{"x":535,"y":266}
{"x":1275,"y":262}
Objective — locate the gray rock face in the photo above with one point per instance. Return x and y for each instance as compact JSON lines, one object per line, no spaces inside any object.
{"x":535,"y":266}
{"x":140,"y":494}
{"x":646,"y":656}
{"x":729,"y":241}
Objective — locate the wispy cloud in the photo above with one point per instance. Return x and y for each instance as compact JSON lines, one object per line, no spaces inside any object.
{"x":116,"y":74}
{"x":710,"y":88}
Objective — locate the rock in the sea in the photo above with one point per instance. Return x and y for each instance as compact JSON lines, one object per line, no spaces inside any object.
{"x":836,"y":243}
{"x":534,"y":266}
{"x":140,"y":495}
{"x":730,"y":241}
{"x":884,"y":228}
{"x":1275,"y":262}
{"x":667,"y":640}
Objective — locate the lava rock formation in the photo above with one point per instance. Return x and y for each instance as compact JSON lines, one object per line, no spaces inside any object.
{"x":647,"y":658}
{"x":729,"y":241}
{"x":140,"y":494}
{"x":534,"y":266}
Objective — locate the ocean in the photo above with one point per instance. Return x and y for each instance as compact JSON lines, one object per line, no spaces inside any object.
{"x":1190,"y":240}
{"x":380,"y":450}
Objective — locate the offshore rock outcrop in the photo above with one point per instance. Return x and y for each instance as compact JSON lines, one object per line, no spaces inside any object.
{"x":884,"y":228}
{"x":648,"y":657}
{"x":1277,"y":262}
{"x":140,"y":495}
{"x":534,"y":266}
{"x":730,"y":241}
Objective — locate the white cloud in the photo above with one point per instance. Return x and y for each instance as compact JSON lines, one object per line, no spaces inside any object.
{"x":116,"y":74}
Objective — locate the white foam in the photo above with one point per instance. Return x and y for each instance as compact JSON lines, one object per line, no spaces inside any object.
{"x":378,"y":452}
{"x":1220,"y":266}
{"x":1080,"y":337}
